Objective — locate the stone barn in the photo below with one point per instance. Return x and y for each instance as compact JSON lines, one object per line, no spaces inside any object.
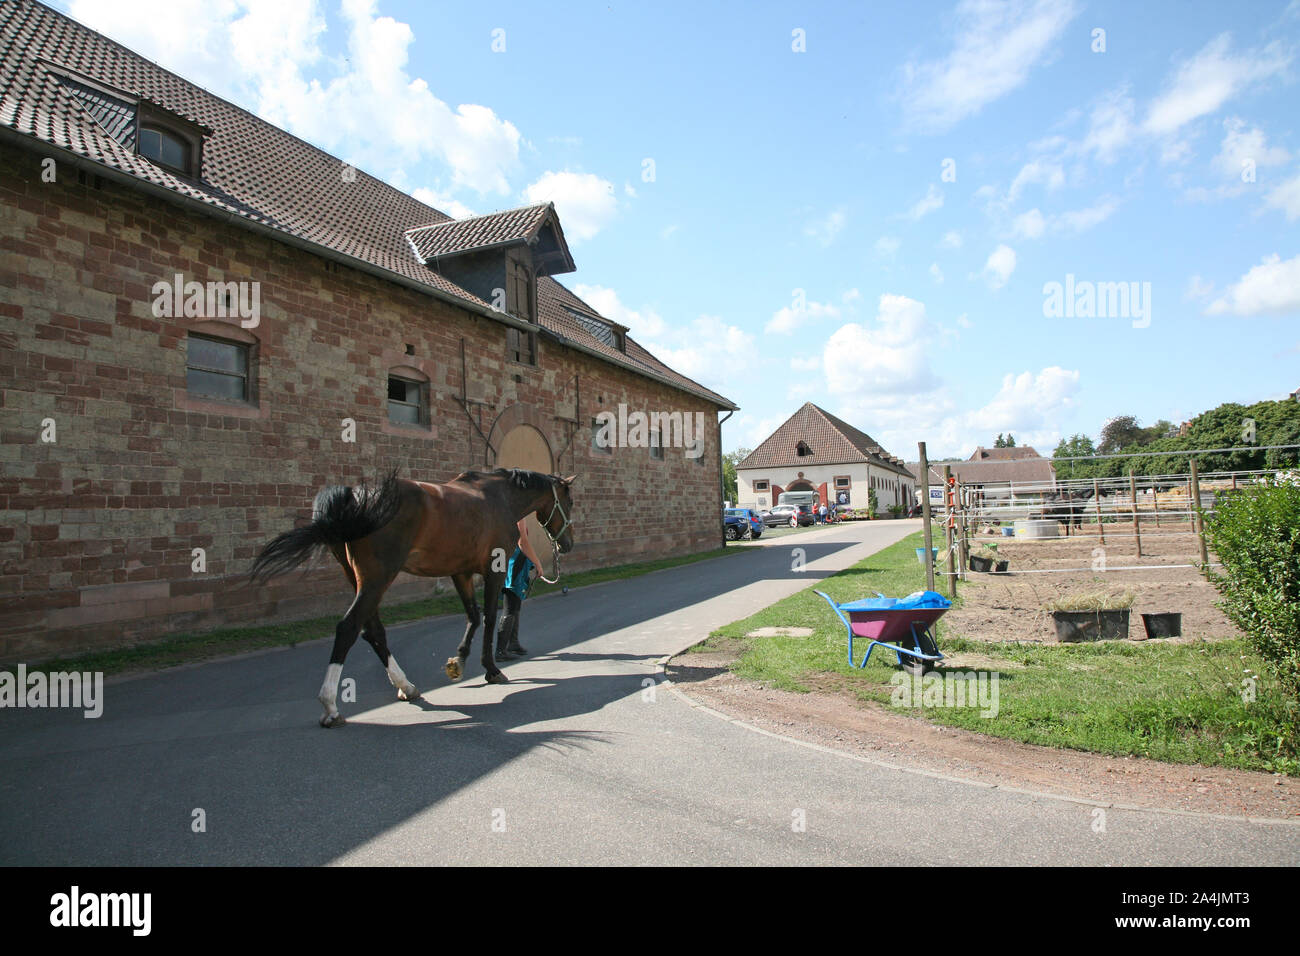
{"x":206,"y":319}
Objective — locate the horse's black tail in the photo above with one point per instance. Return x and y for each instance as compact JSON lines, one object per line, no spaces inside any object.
{"x":340,"y":514}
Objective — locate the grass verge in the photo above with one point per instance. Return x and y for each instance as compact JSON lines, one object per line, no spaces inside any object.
{"x":1175,"y":702}
{"x":189,"y":648}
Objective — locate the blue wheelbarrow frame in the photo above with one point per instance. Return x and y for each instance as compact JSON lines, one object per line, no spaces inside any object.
{"x":880,"y":624}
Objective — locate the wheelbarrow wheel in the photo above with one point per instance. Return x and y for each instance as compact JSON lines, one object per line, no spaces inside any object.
{"x":916,"y":665}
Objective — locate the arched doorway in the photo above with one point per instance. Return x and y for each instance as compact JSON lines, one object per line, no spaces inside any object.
{"x":526,"y":447}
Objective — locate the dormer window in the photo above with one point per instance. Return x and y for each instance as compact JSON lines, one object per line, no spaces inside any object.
{"x":802,"y":449}
{"x":165,"y":149}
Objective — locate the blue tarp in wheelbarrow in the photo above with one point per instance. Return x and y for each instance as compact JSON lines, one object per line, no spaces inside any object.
{"x":900,"y":624}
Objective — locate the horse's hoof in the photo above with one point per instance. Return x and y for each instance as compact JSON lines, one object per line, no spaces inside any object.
{"x":332,"y":720}
{"x":453,"y":668}
{"x":410,"y":693}
{"x":496,"y":677}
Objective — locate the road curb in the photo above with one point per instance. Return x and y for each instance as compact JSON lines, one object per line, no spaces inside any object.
{"x":661,"y":671}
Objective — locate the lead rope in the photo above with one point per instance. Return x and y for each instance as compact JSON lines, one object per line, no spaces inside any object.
{"x":555,"y":540}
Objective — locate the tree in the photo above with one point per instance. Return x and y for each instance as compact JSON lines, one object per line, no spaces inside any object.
{"x":730,"y":484}
{"x":1011,"y":441}
{"x":1119,"y":433}
{"x":1000,"y":442}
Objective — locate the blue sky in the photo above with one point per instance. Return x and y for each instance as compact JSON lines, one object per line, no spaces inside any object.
{"x":868,"y":223}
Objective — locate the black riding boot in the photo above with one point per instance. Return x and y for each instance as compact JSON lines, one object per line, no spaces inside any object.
{"x":508,"y":645}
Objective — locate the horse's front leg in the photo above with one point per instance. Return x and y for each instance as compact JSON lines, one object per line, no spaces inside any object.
{"x":464,"y":583}
{"x":492,"y":583}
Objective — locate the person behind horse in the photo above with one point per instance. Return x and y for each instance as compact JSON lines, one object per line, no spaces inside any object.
{"x":518,"y":571}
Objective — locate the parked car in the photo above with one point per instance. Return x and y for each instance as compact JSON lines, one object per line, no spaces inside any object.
{"x":784,"y":515}
{"x":734,"y":526}
{"x":756,"y":525}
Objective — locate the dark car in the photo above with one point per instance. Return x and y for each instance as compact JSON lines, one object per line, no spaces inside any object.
{"x":734,"y":526}
{"x":784,"y":516}
{"x":755,"y":523}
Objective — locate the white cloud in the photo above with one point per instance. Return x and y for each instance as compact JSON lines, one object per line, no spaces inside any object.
{"x":667,"y":231}
{"x":850,"y":296}
{"x":887,"y":356}
{"x":887,"y":247}
{"x":1027,"y":404}
{"x":1286,"y":197}
{"x":932,"y":200}
{"x":1038,"y":172}
{"x":963,"y":321}
{"x":1034,"y":225}
{"x":585,"y":202}
{"x":1241,"y":146}
{"x":825,"y":230}
{"x":1029,"y":225}
{"x":1110,"y":126}
{"x":693,"y":350}
{"x":810,"y":363}
{"x":361,"y":104}
{"x":644,"y":324}
{"x":1205,"y":82}
{"x":951,"y":239}
{"x":443,"y":203}
{"x":996,"y":47}
{"x":936,"y":273}
{"x":788,"y":318}
{"x":1270,"y":288}
{"x":1001,"y":263}
{"x":1080,"y":220}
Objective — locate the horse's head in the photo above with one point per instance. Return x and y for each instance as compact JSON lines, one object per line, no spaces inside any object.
{"x":556,"y":515}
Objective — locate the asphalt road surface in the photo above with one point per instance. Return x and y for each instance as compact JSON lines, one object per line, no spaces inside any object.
{"x":582,"y":758}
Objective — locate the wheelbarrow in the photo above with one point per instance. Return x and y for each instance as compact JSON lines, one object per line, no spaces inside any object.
{"x":901,"y":625}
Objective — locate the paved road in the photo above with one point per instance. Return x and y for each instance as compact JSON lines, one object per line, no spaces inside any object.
{"x":569,"y":763}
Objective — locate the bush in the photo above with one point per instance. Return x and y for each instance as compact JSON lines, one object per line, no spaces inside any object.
{"x":1256,"y":535}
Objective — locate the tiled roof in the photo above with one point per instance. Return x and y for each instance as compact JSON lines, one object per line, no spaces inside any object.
{"x":252,"y":170}
{"x":1004,"y":454}
{"x":455,"y":236}
{"x":1019,"y":470}
{"x":829,"y":441}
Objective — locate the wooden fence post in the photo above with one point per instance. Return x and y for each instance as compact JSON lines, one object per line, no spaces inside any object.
{"x":1096,"y":499}
{"x":1137,"y":532}
{"x":949,"y":516}
{"x":1199,"y":520}
{"x":925,"y":517}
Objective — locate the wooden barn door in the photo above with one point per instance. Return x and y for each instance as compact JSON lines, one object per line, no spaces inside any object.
{"x":525,"y":447}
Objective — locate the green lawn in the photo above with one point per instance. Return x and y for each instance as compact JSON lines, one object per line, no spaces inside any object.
{"x":187,"y":648}
{"x":1179,"y":703}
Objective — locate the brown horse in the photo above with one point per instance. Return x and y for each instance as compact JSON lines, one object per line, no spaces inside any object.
{"x":456,"y":528}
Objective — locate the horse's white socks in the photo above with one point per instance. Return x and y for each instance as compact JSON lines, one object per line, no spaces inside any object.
{"x":329,"y":691}
{"x":398,"y":678}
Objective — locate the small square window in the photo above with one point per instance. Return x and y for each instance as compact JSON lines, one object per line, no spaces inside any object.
{"x":760,"y":486}
{"x":217,"y":369}
{"x":841,"y":482}
{"x":407,"y":402}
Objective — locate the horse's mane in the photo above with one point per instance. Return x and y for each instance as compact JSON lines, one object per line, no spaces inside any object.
{"x":519,"y":477}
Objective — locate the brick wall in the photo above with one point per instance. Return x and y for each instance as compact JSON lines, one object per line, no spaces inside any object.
{"x":99,"y":526}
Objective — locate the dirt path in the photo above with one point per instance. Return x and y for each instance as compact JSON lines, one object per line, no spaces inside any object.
{"x":831,"y":717}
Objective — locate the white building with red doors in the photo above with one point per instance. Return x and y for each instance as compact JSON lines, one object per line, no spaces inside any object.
{"x":815,"y":451}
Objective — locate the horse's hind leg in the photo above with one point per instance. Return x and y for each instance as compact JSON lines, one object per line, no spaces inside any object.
{"x":464,"y":584}
{"x":377,"y":638}
{"x":491,"y":599}
{"x":363,"y":608}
